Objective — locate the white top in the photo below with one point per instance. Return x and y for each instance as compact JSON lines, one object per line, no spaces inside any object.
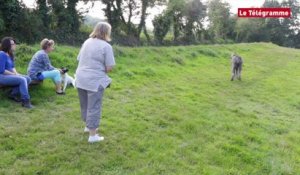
{"x":94,"y":56}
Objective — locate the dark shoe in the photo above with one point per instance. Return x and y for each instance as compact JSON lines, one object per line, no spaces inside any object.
{"x":60,"y":93}
{"x":14,"y":98}
{"x":27,"y":104}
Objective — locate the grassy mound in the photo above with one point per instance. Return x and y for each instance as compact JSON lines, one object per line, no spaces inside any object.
{"x":170,"y":110}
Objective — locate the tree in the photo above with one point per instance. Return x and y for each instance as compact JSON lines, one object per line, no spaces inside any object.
{"x":250,"y":30}
{"x":161,"y":25}
{"x":291,"y":25}
{"x":186,"y":19}
{"x":219,"y":18}
{"x":17,"y":21}
{"x":64,"y":20}
{"x":43,"y":13}
{"x":120,"y":13}
{"x":145,"y":4}
{"x":273,"y":26}
{"x":73,"y":15}
{"x":2,"y":22}
{"x":194,"y":13}
{"x":175,"y":10}
{"x":11,"y":12}
{"x":59,"y":25}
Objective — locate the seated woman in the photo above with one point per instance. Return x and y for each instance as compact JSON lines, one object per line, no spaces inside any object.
{"x":40,"y":67}
{"x":9,"y":75}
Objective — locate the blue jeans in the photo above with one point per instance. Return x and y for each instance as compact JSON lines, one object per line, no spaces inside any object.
{"x":54,"y":75}
{"x":19,"y":82}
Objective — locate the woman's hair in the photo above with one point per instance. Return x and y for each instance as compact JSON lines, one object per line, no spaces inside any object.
{"x":6,"y":46}
{"x":45,"y":43}
{"x":101,"y":31}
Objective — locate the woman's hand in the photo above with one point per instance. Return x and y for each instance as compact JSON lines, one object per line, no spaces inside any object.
{"x":7,"y":72}
{"x":108,"y":69}
{"x":15,"y":71}
{"x":61,"y":71}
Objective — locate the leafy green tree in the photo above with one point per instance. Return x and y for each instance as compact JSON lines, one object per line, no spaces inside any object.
{"x":161,"y":25}
{"x":145,"y":4}
{"x":250,"y":30}
{"x":274,"y":26}
{"x":17,"y":21}
{"x":2,"y":24}
{"x":175,"y":10}
{"x":290,"y":26}
{"x":194,"y":13}
{"x":11,"y":12}
{"x":43,"y":13}
{"x":219,"y":18}
{"x":64,"y":20}
{"x":187,"y":19}
{"x":120,"y":14}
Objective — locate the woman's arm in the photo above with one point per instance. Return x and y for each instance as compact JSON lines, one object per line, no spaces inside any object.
{"x":2,"y":67}
{"x":47,"y":62}
{"x":109,"y":59}
{"x":2,"y":63}
{"x":80,"y":52}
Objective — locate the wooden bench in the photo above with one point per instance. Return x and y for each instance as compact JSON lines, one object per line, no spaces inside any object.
{"x":32,"y":83}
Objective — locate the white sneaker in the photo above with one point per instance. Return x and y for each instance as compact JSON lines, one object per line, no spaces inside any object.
{"x":86,"y":129}
{"x":95,"y":138}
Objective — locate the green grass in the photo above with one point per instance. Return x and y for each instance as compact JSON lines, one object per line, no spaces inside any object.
{"x":170,"y":110}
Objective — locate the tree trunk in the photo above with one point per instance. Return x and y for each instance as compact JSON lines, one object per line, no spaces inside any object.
{"x":129,"y":17}
{"x":147,"y":35}
{"x":143,"y":18}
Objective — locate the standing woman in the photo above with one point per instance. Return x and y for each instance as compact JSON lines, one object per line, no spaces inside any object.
{"x":9,"y":75}
{"x":96,"y":59}
{"x":40,"y":67}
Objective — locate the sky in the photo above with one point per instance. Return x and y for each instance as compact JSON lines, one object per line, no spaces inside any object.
{"x":96,"y":11}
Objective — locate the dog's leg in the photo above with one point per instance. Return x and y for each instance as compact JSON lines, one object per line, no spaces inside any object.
{"x":63,"y":82}
{"x":65,"y":85}
{"x":239,"y":73}
{"x":232,"y":73}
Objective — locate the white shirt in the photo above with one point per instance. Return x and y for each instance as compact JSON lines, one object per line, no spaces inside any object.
{"x":94,"y":56}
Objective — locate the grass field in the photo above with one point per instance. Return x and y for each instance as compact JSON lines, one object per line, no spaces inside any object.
{"x":170,"y":110}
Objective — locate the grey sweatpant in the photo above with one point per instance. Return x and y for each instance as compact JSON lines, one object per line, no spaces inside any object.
{"x":90,"y":106}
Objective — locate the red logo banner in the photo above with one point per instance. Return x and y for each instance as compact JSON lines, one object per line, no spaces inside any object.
{"x":264,"y":12}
